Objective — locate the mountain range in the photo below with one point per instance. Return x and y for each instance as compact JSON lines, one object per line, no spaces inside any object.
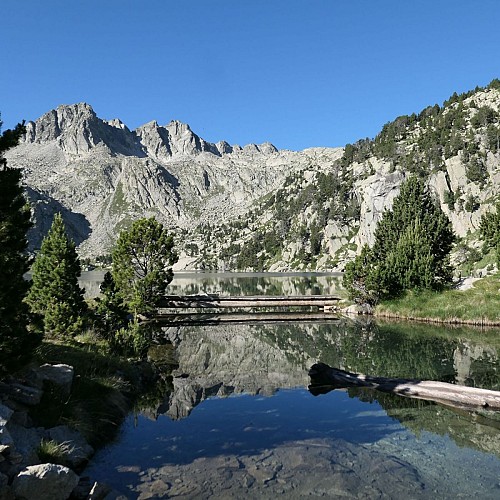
{"x":257,"y":207}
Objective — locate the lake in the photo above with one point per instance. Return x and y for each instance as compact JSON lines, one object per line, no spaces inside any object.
{"x":235,"y":418}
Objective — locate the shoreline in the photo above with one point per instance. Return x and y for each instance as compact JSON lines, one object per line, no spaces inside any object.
{"x":439,"y":321}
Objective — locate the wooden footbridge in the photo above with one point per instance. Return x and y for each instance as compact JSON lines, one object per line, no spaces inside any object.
{"x":282,"y":307}
{"x":216,"y":301}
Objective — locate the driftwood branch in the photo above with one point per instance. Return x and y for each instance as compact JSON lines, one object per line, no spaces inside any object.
{"x":325,"y":378}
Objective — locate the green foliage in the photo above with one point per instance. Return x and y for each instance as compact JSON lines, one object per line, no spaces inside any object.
{"x":360,"y":278}
{"x":471,"y":203}
{"x":142,"y":260}
{"x":480,"y":304}
{"x":55,"y":293}
{"x":421,"y":143}
{"x":410,"y":263}
{"x":15,"y":340}
{"x":475,"y":170}
{"x":49,"y":451}
{"x":413,"y":241}
{"x":132,"y":340}
{"x":110,"y":312}
{"x":490,"y":231}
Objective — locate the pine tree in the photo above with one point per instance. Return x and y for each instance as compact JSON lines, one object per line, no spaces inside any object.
{"x":360,"y":278}
{"x":412,"y":245}
{"x":55,"y":293}
{"x":490,"y":232}
{"x":142,"y":260}
{"x":14,"y":223}
{"x":414,"y":204}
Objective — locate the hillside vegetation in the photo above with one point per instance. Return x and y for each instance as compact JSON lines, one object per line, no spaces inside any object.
{"x":321,"y":217}
{"x":256,"y":207}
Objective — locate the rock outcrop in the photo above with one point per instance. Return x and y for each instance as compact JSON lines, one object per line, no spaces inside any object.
{"x":45,"y":482}
{"x":21,"y":473}
{"x":221,"y":198}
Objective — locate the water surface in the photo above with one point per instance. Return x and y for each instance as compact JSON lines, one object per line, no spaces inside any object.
{"x":236,"y":419}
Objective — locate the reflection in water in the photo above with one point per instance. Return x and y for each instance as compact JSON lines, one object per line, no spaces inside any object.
{"x":185,"y":283}
{"x":218,"y":433}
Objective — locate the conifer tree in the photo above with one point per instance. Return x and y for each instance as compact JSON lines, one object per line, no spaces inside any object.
{"x":14,"y":262}
{"x":490,"y":232}
{"x":142,"y":260}
{"x":55,"y":293}
{"x":412,"y":245}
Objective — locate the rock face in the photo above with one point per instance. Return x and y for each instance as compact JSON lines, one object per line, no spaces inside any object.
{"x":101,"y":175}
{"x":219,"y":197}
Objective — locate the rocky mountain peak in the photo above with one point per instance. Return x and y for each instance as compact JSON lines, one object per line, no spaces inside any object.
{"x":76,"y":129}
{"x":174,"y":139}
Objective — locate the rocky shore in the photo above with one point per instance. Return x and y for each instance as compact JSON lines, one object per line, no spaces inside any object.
{"x":23,"y":473}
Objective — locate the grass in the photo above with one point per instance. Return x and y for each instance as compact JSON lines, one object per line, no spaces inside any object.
{"x":100,"y":393}
{"x":49,"y":451}
{"x":479,"y":305}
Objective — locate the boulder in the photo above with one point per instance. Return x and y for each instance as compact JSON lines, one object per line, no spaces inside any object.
{"x":5,"y":490}
{"x":78,"y":451}
{"x":60,"y":375}
{"x":358,"y":309}
{"x":45,"y":482}
{"x":5,"y":437}
{"x":27,"y":441}
{"x":5,"y":412}
{"x":23,"y":394}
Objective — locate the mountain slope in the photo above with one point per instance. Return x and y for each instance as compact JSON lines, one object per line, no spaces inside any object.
{"x":257,"y":207}
{"x":320,"y":219}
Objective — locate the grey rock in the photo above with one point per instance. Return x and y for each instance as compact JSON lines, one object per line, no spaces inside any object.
{"x":26,"y":440}
{"x":24,"y":394}
{"x":358,"y":309}
{"x":78,"y":451}
{"x":60,"y":375}
{"x":6,"y":492}
{"x":4,"y":480}
{"x":22,"y":418}
{"x":99,"y":491}
{"x":5,"y":412}
{"x":45,"y":482}
{"x":6,"y":440}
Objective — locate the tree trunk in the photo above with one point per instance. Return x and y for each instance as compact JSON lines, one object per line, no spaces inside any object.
{"x":325,"y":378}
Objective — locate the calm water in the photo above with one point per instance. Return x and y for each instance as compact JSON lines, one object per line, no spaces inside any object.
{"x":236,"y":420}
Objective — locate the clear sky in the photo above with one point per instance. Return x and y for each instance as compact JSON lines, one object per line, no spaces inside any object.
{"x":297,"y":73}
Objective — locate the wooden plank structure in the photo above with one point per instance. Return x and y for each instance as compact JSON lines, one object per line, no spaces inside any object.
{"x":185,"y":319}
{"x":215,"y":301}
{"x":324,"y":378}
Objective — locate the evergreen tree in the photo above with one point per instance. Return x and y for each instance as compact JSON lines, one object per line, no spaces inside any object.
{"x":142,"y":260}
{"x":413,"y":241}
{"x":360,"y":278}
{"x":110,"y":309}
{"x":490,"y":232}
{"x":55,"y":293}
{"x":415,"y":205}
{"x":14,"y":262}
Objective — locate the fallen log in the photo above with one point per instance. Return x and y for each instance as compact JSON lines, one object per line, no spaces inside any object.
{"x":324,"y":378}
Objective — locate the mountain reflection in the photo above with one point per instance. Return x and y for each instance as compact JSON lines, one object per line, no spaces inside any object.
{"x":225,"y":360}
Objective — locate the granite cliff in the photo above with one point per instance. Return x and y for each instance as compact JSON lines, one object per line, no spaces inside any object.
{"x":257,"y":207}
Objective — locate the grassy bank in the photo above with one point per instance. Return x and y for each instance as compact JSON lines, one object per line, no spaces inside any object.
{"x":479,"y":305}
{"x":105,"y":388}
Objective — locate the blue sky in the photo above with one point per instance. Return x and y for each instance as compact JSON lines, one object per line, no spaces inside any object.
{"x":297,"y":73}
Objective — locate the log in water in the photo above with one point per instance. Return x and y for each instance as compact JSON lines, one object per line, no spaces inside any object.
{"x":325,"y":378}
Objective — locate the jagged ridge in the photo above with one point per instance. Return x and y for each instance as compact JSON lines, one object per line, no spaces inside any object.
{"x":257,"y":207}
